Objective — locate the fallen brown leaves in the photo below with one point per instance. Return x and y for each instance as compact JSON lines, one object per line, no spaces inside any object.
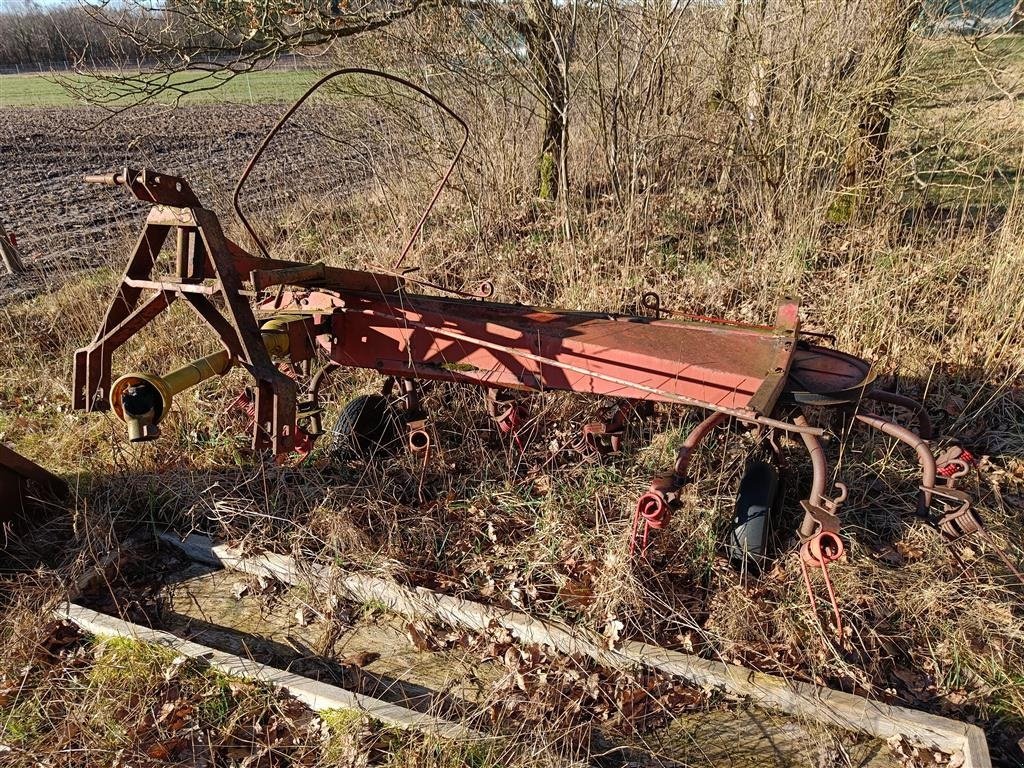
{"x":541,"y":687}
{"x":136,"y":706}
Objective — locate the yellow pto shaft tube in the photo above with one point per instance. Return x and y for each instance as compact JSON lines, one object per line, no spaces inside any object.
{"x":142,"y":400}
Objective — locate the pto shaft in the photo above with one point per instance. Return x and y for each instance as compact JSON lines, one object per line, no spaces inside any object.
{"x":142,"y":400}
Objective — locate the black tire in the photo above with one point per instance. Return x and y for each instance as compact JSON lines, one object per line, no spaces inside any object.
{"x":747,"y":541}
{"x":368,"y":427}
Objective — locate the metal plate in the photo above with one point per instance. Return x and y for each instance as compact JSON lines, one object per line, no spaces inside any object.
{"x":822,"y":376}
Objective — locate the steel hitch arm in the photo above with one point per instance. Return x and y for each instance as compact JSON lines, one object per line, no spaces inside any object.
{"x":149,"y":186}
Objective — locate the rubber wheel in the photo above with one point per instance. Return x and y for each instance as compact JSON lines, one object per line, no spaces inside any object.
{"x":747,"y":540}
{"x":367,"y":426}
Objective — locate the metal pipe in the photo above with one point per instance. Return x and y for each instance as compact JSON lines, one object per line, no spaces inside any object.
{"x":819,"y":465}
{"x":924,"y":454}
{"x":142,"y":400}
{"x":318,"y":379}
{"x":818,"y":462}
{"x":198,"y":371}
{"x":697,"y":434}
{"x":924,"y":423}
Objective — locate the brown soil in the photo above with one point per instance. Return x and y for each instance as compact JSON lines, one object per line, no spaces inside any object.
{"x":62,"y":224}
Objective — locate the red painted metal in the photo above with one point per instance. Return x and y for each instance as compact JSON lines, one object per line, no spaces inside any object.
{"x":498,"y":345}
{"x":21,"y":481}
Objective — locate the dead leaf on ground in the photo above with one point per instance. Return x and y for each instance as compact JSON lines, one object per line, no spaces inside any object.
{"x":888,"y":555}
{"x":239,"y":590}
{"x":361,"y":659}
{"x":420,"y":635}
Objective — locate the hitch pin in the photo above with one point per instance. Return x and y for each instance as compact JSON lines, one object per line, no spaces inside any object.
{"x":106,"y":179}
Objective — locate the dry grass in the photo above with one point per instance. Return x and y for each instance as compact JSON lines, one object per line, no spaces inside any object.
{"x":929,"y":286}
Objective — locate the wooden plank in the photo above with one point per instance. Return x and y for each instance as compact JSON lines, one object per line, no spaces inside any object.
{"x":799,"y":699}
{"x":316,"y":695}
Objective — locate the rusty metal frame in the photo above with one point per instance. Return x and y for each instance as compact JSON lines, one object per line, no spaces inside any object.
{"x":16,"y":473}
{"x":236,"y":328}
{"x":761,"y":376}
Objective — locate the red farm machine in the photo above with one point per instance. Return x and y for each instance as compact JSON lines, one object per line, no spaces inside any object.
{"x":289,"y":324}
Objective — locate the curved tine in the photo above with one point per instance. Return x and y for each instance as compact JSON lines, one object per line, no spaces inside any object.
{"x":820,"y":467}
{"x":924,"y":454}
{"x":309,"y":92}
{"x":318,"y":378}
{"x":924,"y":423}
{"x":697,"y":434}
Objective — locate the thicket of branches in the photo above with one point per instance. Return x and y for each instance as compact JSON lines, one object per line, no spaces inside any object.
{"x":784,"y":110}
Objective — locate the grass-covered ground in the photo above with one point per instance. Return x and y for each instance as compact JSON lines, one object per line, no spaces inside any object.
{"x":928,"y":287}
{"x":47,"y":90}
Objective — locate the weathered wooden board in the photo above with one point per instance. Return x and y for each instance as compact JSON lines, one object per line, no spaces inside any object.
{"x":801,"y":700}
{"x":210,"y":609}
{"x":316,"y":695}
{"x":756,"y":738}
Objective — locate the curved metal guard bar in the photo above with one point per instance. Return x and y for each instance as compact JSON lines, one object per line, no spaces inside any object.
{"x":309,"y":92}
{"x":818,"y":464}
{"x":924,"y":423}
{"x":924,"y":454}
{"x":696,"y":436}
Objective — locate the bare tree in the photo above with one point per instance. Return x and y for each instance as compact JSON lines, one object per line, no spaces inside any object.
{"x":187,"y":46}
{"x":894,"y":30}
{"x":543,"y":27}
{"x":528,"y":44}
{"x":34,"y":35}
{"x":195,"y":45}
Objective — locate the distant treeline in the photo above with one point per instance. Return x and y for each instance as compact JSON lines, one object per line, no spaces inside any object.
{"x":30,"y":35}
{"x":61,"y":36}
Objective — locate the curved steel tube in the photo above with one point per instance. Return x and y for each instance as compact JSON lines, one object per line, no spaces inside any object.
{"x":924,"y":454}
{"x":309,"y":92}
{"x":820,"y":467}
{"x":318,"y":379}
{"x":697,"y":434}
{"x":924,"y":423}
